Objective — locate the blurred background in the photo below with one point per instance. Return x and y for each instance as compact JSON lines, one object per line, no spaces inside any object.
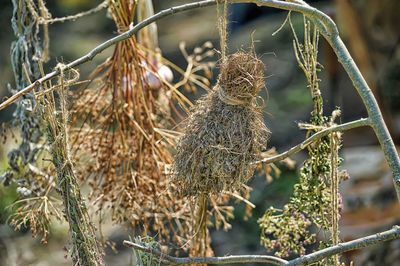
{"x":369,"y":29}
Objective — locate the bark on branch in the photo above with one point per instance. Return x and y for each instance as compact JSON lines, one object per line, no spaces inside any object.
{"x":316,"y":136}
{"x":167,"y":259}
{"x":394,"y":233}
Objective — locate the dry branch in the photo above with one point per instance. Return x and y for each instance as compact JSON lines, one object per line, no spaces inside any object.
{"x":359,"y":243}
{"x":304,"y":260}
{"x":215,"y":260}
{"x":320,"y":134}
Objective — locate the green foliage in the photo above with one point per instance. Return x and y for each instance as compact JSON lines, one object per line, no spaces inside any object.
{"x":144,"y":258}
{"x":287,"y":230}
{"x":7,"y":195}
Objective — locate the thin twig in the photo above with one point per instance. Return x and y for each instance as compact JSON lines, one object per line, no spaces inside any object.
{"x":316,"y":136}
{"x":44,"y":20}
{"x":304,"y":260}
{"x":214,"y":260}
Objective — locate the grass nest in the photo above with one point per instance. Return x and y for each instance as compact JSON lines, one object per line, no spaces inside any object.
{"x":225,"y":132}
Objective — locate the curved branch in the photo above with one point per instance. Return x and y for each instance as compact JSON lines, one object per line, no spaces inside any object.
{"x":379,"y":126}
{"x":299,"y":7}
{"x":316,"y":136}
{"x":214,"y":260}
{"x":359,"y":243}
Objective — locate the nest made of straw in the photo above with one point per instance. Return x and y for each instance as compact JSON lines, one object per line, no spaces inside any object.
{"x":225,"y":132}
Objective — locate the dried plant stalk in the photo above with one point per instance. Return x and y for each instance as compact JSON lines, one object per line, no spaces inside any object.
{"x":120,"y":138}
{"x":86,"y":249}
{"x":201,"y":239}
{"x":316,"y":199}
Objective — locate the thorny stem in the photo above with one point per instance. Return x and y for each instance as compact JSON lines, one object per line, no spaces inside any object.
{"x":316,"y":136}
{"x":303,"y":260}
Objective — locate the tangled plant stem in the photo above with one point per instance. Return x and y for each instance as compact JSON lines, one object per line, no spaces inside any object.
{"x":315,"y":198}
{"x":86,"y":249}
{"x":26,"y":169}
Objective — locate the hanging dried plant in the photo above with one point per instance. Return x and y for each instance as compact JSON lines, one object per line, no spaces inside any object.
{"x":37,"y":201}
{"x":316,"y":199}
{"x":222,"y":137}
{"x":225,"y":132}
{"x":120,"y":136}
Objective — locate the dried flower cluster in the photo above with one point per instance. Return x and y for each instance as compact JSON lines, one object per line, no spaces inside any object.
{"x":285,"y":231}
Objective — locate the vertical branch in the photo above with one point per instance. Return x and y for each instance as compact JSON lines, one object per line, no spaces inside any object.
{"x":86,"y":249}
{"x":200,"y":246}
{"x":222,"y":17}
{"x":334,"y":143}
{"x":329,"y":31}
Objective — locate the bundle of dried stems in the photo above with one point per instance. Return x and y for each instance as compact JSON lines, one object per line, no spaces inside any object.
{"x":121,"y":142}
